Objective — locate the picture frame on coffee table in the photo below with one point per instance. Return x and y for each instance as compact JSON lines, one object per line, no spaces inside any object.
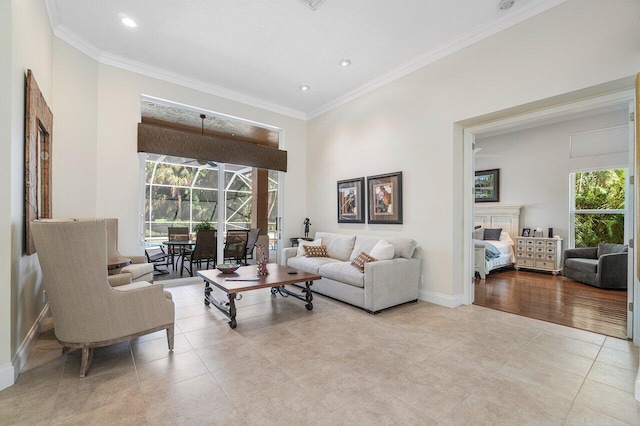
{"x":385,"y":198}
{"x":351,"y":200}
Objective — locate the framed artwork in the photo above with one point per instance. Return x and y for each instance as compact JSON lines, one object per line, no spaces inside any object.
{"x":37,"y":159}
{"x":351,"y":200}
{"x":487,"y":185}
{"x":385,"y":198}
{"x":526,"y":232}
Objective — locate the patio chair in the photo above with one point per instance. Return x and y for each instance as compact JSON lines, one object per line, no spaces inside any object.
{"x":205,"y":249}
{"x":235,"y":245}
{"x":158,"y":257}
{"x":177,"y":233}
{"x":252,"y":239}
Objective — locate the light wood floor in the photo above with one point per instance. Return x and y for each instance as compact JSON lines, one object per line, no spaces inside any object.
{"x":555,"y":299}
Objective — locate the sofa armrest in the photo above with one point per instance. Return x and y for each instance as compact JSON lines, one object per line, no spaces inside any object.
{"x":390,"y":282}
{"x":583,"y":252}
{"x":288,"y":253}
{"x":612,"y":270}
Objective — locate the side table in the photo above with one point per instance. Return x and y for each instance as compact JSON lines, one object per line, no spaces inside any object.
{"x":294,"y":240}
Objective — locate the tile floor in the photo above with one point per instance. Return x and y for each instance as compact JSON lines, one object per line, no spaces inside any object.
{"x":415,"y":364}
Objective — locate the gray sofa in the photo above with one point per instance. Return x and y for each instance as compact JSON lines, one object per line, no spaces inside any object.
{"x":384,"y":283}
{"x":604,"y":266}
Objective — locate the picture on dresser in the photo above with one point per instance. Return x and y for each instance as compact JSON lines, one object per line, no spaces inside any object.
{"x":526,"y":232}
{"x":487,"y":185}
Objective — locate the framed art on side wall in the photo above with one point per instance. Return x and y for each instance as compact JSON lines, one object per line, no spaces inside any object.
{"x":385,"y":198}
{"x":351,"y":200}
{"x":487,"y":185}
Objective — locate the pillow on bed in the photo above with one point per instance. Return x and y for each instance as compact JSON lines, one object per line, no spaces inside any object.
{"x":492,"y":234}
{"x":478,"y":234}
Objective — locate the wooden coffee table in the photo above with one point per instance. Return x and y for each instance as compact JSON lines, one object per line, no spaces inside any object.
{"x":246,"y":278}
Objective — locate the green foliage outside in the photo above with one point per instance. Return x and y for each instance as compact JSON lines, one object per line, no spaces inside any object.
{"x":599,"y":190}
{"x":169,"y":192}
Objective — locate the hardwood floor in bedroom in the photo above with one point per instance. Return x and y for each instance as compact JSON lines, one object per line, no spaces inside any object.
{"x":555,"y":299}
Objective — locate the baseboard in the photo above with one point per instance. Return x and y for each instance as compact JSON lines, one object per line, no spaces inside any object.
{"x":20,"y":358}
{"x":441,"y":299}
{"x":7,"y":376}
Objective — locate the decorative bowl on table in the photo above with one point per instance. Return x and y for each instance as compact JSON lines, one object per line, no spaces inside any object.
{"x":227,"y":268}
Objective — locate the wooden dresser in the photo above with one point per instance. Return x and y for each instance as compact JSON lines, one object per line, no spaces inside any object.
{"x":540,"y":254}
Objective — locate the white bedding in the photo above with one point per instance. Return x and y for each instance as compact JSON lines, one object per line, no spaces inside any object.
{"x":507,"y":255}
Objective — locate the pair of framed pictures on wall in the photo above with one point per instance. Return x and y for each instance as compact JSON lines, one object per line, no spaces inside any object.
{"x":384,"y":196}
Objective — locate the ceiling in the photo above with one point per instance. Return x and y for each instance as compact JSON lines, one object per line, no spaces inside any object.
{"x":261,"y":51}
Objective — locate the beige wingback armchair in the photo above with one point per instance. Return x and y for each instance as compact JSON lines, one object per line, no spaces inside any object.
{"x":139,"y":270}
{"x":87,"y":311}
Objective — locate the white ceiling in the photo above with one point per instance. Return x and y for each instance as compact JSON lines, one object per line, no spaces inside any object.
{"x":261,"y":51}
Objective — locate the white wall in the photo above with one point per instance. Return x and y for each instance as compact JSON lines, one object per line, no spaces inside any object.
{"x":75,"y":153}
{"x":26,"y":44}
{"x":408,"y":125}
{"x":6,"y":104}
{"x":535,"y":165}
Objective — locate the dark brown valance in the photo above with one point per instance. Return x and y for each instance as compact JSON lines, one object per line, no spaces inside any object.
{"x":178,"y":143}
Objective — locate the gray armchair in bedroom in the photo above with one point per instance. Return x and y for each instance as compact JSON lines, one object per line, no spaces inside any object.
{"x":87,"y":311}
{"x":604,"y":266}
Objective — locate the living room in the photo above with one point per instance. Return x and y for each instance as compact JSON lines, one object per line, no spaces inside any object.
{"x":411,"y":121}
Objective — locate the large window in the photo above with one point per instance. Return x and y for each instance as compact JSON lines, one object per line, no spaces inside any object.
{"x":598,"y":208}
{"x":184,"y":192}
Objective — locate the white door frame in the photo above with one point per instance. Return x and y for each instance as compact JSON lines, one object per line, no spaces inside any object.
{"x":530,"y":119}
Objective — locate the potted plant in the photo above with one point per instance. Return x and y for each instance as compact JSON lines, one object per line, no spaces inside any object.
{"x":205,"y":225}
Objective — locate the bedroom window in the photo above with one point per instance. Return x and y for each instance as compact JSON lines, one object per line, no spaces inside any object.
{"x":598,"y":207}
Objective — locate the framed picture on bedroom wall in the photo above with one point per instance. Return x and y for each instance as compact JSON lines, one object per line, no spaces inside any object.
{"x":487,"y":185}
{"x":385,"y":198}
{"x":351,"y":200}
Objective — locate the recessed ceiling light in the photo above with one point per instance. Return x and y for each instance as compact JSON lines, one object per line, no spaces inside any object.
{"x":304,"y":87}
{"x":506,"y":4}
{"x":345,"y":62}
{"x":127,"y":21}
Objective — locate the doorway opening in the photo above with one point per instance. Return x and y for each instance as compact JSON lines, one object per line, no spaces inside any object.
{"x":528,"y":170}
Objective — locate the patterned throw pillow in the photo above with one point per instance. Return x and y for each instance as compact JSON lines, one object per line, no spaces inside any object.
{"x":361,"y":259}
{"x":315,"y":251}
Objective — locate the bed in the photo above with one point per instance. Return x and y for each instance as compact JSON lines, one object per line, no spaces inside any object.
{"x":490,"y":255}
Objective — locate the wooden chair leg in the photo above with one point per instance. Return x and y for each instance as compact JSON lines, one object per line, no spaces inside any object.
{"x":85,"y":364}
{"x":170,"y":337}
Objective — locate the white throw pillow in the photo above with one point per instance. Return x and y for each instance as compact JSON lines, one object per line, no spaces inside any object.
{"x":382,"y":250}
{"x":302,"y":243}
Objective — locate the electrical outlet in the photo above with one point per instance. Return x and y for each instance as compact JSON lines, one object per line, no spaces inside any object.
{"x":421,"y":279}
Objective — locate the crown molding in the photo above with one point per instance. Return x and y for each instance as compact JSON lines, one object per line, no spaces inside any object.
{"x":191,"y":83}
{"x":458,"y":43}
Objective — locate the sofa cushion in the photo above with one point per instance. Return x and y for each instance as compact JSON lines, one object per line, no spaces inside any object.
{"x":404,"y":247}
{"x":302,"y":243}
{"x":339,"y":246}
{"x":606,"y":248}
{"x":363,"y":243}
{"x":383,"y":250}
{"x":309,"y":264}
{"x":581,"y":264}
{"x":343,"y":272}
{"x":315,"y":251}
{"x":361,"y":259}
